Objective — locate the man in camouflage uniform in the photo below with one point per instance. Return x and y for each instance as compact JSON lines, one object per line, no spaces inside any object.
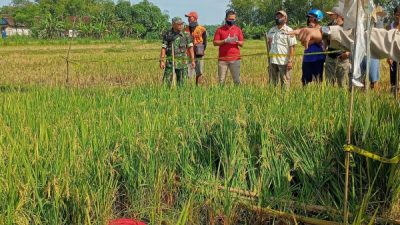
{"x":181,"y":43}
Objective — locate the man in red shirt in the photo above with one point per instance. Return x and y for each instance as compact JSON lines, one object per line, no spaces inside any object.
{"x":229,"y":38}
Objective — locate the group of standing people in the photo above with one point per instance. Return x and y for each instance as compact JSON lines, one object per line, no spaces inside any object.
{"x":318,"y":56}
{"x":179,"y":43}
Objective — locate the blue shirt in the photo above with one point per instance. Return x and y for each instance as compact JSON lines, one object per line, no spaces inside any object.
{"x":3,"y":34}
{"x":314,"y":48}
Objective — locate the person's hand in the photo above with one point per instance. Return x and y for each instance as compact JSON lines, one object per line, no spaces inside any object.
{"x":389,"y":61}
{"x":290,"y":65}
{"x":307,"y":36}
{"x":344,"y":55}
{"x":230,"y":39}
{"x":235,"y":39}
{"x":193,"y":64}
{"x":162,"y":65}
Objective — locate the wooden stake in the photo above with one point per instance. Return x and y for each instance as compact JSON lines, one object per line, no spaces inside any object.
{"x":396,"y":91}
{"x":288,"y":216}
{"x":349,"y":130}
{"x":173,"y":66}
{"x":69,"y":50}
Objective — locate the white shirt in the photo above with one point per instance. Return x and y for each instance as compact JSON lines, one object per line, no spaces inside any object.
{"x":280,"y":44}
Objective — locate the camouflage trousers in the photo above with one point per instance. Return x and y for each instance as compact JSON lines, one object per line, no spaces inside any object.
{"x":181,"y":74}
{"x":336,"y":70}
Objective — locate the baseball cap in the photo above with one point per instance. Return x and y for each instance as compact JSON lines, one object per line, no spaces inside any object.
{"x":336,"y":10}
{"x":283,"y":13}
{"x":229,"y":11}
{"x":177,"y":20}
{"x":379,"y":11}
{"x":194,"y":14}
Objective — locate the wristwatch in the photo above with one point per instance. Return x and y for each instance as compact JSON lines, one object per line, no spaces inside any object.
{"x":326,"y":32}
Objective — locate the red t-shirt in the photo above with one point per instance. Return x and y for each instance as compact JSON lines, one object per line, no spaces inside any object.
{"x":228,"y":51}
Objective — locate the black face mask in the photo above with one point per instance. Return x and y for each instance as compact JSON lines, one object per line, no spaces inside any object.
{"x":333,"y":23}
{"x":230,"y":22}
{"x":193,"y":24}
{"x":279,"y":21}
{"x":309,"y":22}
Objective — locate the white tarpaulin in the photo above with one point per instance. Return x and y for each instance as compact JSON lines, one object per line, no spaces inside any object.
{"x":357,"y":22}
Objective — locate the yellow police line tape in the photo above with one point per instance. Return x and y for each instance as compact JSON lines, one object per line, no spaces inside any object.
{"x":212,"y":58}
{"x":367,"y":154}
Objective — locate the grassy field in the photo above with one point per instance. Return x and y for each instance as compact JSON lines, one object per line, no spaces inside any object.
{"x":115,"y":143}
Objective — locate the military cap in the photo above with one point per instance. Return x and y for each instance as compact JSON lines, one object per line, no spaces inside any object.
{"x":177,"y":20}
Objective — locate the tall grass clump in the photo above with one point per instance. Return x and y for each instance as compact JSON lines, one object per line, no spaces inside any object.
{"x":84,"y":156}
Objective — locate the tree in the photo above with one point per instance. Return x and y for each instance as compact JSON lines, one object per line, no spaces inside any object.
{"x":256,"y":16}
{"x":51,"y":18}
{"x":151,"y":17}
{"x":123,"y":10}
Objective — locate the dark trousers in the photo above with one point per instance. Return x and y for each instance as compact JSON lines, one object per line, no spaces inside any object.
{"x":393,"y":74}
{"x":312,"y":70}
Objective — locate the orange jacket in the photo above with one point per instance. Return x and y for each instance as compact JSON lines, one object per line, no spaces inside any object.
{"x":197,"y":34}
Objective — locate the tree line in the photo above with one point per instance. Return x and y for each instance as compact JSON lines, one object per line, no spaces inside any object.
{"x":104,"y":18}
{"x":92,"y":18}
{"x":257,"y":16}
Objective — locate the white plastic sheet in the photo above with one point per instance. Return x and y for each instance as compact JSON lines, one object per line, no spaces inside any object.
{"x":357,"y":22}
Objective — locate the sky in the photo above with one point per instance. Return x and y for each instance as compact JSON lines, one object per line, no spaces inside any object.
{"x":210,"y":11}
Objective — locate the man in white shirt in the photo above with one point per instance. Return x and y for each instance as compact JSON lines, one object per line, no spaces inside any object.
{"x":281,"y":50}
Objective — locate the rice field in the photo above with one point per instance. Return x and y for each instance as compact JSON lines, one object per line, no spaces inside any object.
{"x":113,"y":142}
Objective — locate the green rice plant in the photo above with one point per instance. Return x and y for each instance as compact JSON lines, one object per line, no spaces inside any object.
{"x":115,"y":143}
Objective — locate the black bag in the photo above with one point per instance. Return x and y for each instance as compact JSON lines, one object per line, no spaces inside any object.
{"x":199,"y":49}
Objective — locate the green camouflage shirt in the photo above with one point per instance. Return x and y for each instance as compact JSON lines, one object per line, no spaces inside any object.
{"x":182,"y":41}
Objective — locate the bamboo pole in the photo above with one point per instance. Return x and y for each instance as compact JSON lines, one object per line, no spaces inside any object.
{"x":349,"y":130}
{"x":253,"y":197}
{"x":69,"y":50}
{"x":396,"y":91}
{"x":173,"y":66}
{"x":289,"y":216}
{"x":292,"y":204}
{"x":302,"y":206}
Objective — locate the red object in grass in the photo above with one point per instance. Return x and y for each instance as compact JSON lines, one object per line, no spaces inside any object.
{"x":125,"y":222}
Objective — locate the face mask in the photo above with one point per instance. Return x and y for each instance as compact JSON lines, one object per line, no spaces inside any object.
{"x":334,"y":22}
{"x":279,"y":21}
{"x":193,"y":24}
{"x":311,"y":23}
{"x":231,"y":22}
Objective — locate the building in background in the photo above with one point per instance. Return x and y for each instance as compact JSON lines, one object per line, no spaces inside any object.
{"x":10,"y":28}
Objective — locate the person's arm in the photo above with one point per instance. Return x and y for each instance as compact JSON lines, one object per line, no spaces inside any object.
{"x":345,"y":55}
{"x":292,"y":43}
{"x":163,"y":52}
{"x":190,"y":49}
{"x":267,"y":42}
{"x":205,"y":39}
{"x":240,"y":39}
{"x":217,"y":39}
{"x":384,"y":43}
{"x":291,"y":57}
{"x":162,"y":58}
{"x":191,"y":54}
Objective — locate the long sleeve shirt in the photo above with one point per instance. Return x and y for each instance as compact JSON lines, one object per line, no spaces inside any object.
{"x":384,"y":43}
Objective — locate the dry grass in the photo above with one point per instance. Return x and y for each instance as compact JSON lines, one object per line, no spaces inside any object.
{"x":127,"y":63}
